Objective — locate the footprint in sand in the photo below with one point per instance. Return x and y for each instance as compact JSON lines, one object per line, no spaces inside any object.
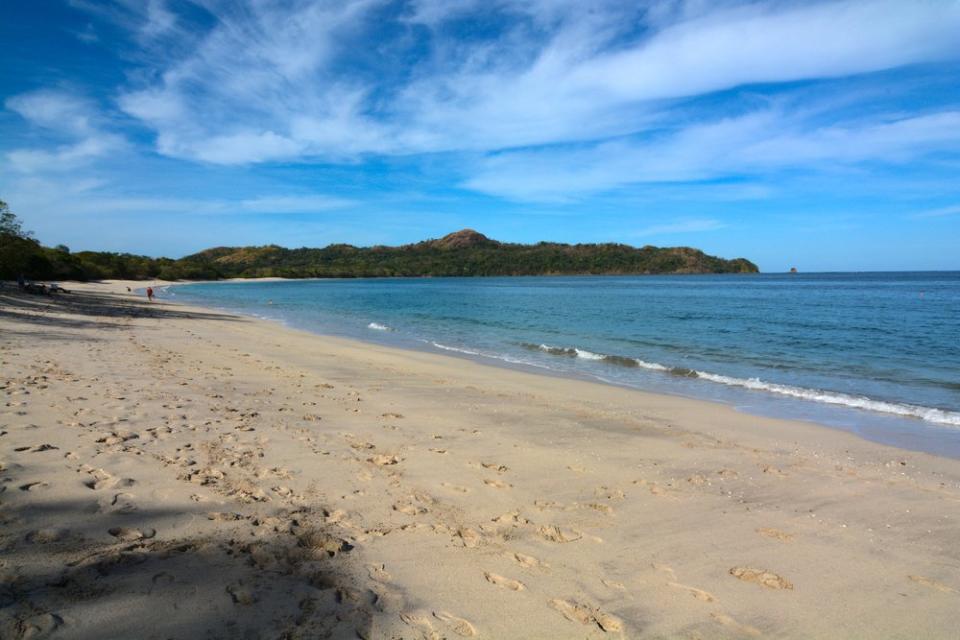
{"x":506,"y":583}
{"x":382,"y":460}
{"x":739,"y":627}
{"x":554,"y":533}
{"x":608,"y":493}
{"x":458,"y":625}
{"x":223,"y":516}
{"x":378,"y":572}
{"x":121,"y":503}
{"x":454,"y":487}
{"x":420,"y":619}
{"x":585,"y":614}
{"x":47,"y":535}
{"x":39,"y":626}
{"x":320,"y":542}
{"x":130,"y":534}
{"x":409,"y":509}
{"x":761,"y":577}
{"x":767,"y":532}
{"x":774,"y":471}
{"x":470,"y":538}
{"x":654,"y":488}
{"x":513,"y":518}
{"x":525,"y":561}
{"x":933,"y":584}
{"x":241,"y":595}
{"x":493,"y":466}
{"x":34,"y":486}
{"x":699,"y":594}
{"x":602,"y":508}
{"x":162,"y":579}
{"x":37,"y":449}
{"x":497,"y":484}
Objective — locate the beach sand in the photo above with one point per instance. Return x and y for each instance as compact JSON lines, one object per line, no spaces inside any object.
{"x":175,"y":472}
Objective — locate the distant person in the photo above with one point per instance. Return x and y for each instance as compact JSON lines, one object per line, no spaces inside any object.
{"x":150,"y":294}
{"x":21,"y":282}
{"x":128,"y":289}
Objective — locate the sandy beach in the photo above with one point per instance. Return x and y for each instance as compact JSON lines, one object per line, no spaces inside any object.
{"x":176,"y":472}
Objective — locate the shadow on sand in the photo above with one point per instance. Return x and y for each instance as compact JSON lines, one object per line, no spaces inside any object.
{"x":86,"y":569}
{"x":82,"y":310}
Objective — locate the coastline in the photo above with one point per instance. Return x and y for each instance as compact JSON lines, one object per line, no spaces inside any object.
{"x":894,"y":422}
{"x":471,"y":497}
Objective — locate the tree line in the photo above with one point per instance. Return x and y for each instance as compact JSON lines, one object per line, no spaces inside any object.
{"x":463,"y":253}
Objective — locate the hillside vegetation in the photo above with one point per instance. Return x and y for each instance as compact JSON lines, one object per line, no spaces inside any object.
{"x":464,"y":253}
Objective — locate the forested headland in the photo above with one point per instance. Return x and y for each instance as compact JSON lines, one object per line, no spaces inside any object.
{"x":463,"y":253}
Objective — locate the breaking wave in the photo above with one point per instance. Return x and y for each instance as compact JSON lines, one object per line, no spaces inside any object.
{"x":928,"y":414}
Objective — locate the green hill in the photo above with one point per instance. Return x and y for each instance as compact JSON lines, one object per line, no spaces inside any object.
{"x":464,"y":253}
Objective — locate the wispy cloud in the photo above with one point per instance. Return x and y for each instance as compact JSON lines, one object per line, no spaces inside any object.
{"x":940,"y":212}
{"x":286,"y":81}
{"x":66,"y":116}
{"x":294,"y":204}
{"x":757,"y":143}
{"x":73,"y":197}
{"x":680,"y":226}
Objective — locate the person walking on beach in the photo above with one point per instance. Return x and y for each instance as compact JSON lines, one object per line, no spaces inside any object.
{"x":150,"y":294}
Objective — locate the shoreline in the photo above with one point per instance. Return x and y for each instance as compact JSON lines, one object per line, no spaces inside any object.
{"x":263,"y":480}
{"x":901,"y":431}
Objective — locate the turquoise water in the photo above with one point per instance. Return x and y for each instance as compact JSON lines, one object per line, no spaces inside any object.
{"x":874,"y":353}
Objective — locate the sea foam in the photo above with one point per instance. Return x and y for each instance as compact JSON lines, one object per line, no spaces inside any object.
{"x":928,"y":414}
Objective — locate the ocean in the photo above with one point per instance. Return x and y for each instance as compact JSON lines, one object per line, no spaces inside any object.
{"x":877,"y":354}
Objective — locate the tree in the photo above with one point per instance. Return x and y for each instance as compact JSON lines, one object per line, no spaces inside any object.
{"x":19,"y":253}
{"x":9,"y":223}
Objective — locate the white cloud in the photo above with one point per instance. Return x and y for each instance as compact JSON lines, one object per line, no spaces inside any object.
{"x":56,"y":110}
{"x":159,"y":19}
{"x":276,"y":81}
{"x":680,"y":226}
{"x":66,"y":116}
{"x":941,"y":212}
{"x":294,"y":204}
{"x":756,"y":143}
{"x":69,"y":197}
{"x":66,"y":157}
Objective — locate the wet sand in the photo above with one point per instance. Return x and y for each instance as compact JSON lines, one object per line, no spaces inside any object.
{"x":174,"y":472}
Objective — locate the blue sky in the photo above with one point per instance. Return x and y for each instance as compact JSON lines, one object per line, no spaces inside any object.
{"x":822,"y":135}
